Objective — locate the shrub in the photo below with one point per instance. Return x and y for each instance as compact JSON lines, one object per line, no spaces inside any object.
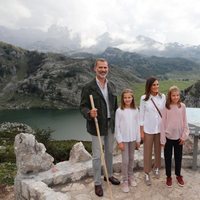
{"x":43,"y":135}
{"x":7,"y":137}
{"x":7,"y":173}
{"x":7,"y":154}
{"x":60,"y":150}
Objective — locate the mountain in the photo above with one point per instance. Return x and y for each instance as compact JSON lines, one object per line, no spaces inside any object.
{"x":149,"y":47}
{"x":144,"y":67}
{"x":62,"y":40}
{"x":30,"y":79}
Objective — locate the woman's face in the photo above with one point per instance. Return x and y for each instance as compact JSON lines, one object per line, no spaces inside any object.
{"x":155,"y":88}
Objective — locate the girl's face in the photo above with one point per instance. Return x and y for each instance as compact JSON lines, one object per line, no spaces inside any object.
{"x":128,"y":98}
{"x":155,"y":88}
{"x":175,"y":96}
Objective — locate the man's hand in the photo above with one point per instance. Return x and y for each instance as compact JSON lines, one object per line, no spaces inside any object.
{"x":93,"y":113}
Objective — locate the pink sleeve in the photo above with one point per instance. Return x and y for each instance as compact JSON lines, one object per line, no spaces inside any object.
{"x":185,"y":124}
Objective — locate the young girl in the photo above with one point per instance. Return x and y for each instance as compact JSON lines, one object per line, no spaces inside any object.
{"x":127,"y":133}
{"x":174,"y":131}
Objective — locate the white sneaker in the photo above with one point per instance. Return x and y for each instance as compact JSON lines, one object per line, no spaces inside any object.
{"x":156,"y":172}
{"x":132,"y":182}
{"x":147,"y":179}
{"x":125,"y":187}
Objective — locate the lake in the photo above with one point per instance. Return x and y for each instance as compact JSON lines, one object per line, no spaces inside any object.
{"x":67,"y":124}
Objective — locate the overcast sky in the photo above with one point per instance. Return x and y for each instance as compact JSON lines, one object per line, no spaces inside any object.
{"x":162,"y":20}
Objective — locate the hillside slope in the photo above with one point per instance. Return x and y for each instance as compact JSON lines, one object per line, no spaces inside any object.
{"x":29,"y":79}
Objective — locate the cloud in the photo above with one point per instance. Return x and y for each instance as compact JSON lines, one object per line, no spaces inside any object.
{"x":165,"y":21}
{"x":11,"y":12}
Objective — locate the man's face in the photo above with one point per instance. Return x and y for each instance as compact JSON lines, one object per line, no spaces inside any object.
{"x":101,"y":69}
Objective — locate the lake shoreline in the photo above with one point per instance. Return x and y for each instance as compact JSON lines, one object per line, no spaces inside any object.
{"x":67,"y":124}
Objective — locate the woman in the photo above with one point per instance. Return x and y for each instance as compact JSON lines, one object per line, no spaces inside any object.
{"x":150,"y":119}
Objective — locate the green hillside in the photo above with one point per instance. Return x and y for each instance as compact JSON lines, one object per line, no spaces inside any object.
{"x":29,"y":79}
{"x":138,"y":88}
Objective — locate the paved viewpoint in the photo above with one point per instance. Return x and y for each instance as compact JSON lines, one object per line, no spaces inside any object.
{"x":84,"y":189}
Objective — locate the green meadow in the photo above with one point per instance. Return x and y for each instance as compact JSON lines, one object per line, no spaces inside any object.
{"x":139,"y":88}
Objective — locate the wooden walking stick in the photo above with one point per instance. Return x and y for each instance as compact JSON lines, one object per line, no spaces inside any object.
{"x":102,"y":153}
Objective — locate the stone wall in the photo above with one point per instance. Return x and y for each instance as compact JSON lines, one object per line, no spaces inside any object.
{"x":37,"y":185}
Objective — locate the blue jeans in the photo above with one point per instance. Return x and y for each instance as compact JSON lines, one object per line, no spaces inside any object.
{"x":96,"y":155}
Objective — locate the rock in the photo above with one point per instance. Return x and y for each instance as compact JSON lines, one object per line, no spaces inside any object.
{"x":16,"y":127}
{"x":31,"y":156}
{"x":78,"y":153}
{"x":188,"y":146}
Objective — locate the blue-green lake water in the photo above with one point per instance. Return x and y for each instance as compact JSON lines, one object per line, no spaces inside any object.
{"x":67,"y":124}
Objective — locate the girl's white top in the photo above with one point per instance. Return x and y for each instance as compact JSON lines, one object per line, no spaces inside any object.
{"x":149,"y":116}
{"x":174,"y":123}
{"x":127,"y":128}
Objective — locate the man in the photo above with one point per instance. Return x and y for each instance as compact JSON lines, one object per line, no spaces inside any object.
{"x":105,"y":101}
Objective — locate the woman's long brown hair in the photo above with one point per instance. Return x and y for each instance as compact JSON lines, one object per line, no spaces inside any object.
{"x":149,"y":83}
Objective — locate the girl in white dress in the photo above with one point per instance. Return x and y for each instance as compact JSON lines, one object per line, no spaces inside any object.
{"x":127,"y":134}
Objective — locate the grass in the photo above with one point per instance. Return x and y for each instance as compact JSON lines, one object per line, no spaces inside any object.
{"x":138,"y":88}
{"x":7,"y":173}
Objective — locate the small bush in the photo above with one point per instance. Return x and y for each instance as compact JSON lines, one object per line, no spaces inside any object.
{"x":43,"y":135}
{"x":7,"y":137}
{"x":60,"y":150}
{"x":7,"y":173}
{"x":7,"y":154}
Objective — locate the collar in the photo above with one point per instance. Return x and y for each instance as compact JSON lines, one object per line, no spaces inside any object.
{"x":99,"y":84}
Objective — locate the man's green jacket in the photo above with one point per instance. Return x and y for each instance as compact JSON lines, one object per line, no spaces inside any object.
{"x":93,"y":89}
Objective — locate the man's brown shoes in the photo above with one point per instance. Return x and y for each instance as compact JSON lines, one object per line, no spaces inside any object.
{"x":113,"y":180}
{"x":98,"y":190}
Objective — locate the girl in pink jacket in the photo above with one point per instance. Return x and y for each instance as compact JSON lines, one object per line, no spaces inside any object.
{"x":174,"y":132}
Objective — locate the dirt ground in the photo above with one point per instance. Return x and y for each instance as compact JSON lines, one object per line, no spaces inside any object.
{"x":6,"y":192}
{"x":84,"y":189}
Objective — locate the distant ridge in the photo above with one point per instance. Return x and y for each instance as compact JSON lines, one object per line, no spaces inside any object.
{"x":61,"y":40}
{"x":29,"y":79}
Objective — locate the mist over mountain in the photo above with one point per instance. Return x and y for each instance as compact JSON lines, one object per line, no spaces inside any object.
{"x":62,"y":40}
{"x":56,"y":39}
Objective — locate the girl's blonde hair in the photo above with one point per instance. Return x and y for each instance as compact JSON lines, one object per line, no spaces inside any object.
{"x":169,"y":101}
{"x":133,"y":105}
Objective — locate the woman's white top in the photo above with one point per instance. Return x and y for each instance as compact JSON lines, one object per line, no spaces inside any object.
{"x":127,"y":127}
{"x":149,"y":116}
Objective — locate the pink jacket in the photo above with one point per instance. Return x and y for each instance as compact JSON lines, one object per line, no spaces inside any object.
{"x":174,"y":123}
